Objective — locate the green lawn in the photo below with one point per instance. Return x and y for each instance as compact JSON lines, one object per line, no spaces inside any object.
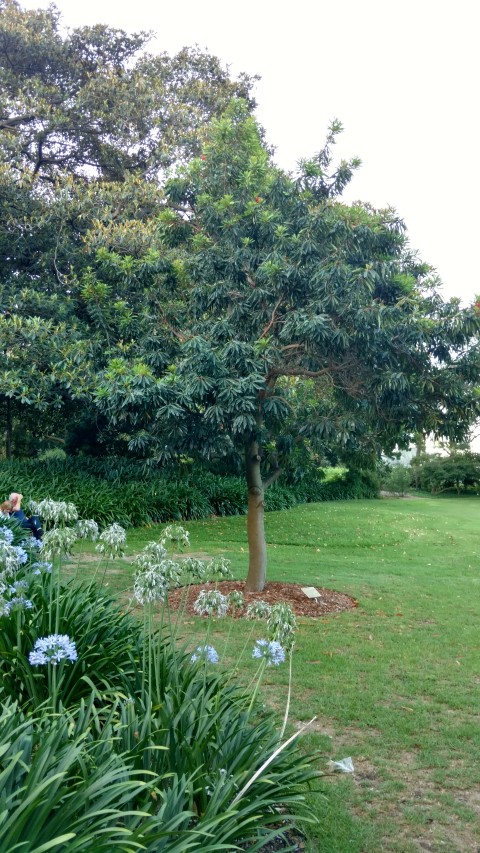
{"x":394,"y":683}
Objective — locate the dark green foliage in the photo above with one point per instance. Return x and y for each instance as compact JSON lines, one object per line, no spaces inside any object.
{"x":126,"y":492}
{"x":107,"y":641}
{"x":459,"y":472}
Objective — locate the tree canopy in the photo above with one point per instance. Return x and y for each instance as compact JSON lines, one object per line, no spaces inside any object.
{"x":286,"y":285}
{"x":89,"y":122}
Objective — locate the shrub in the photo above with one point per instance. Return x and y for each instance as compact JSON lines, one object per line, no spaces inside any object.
{"x":459,"y":472}
{"x":132,"y":495}
{"x":398,"y":479}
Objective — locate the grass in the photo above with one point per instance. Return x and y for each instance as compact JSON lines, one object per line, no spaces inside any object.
{"x":394,"y":683}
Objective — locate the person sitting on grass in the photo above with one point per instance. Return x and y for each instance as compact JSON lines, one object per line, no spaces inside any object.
{"x":33,"y":524}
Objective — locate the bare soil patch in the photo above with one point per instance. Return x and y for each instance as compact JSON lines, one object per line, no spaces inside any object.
{"x":330,"y":600}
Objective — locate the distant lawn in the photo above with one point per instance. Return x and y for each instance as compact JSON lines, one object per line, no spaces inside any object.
{"x":394,"y":683}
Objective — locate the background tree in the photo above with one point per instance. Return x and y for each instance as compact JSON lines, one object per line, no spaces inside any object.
{"x":286,"y":284}
{"x":92,"y":102}
{"x":88,"y":124}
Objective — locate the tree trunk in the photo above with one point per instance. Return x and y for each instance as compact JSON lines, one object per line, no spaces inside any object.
{"x":257,"y":546}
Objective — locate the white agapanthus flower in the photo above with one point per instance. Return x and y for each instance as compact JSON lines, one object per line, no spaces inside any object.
{"x":153,"y":554}
{"x":150,"y":585}
{"x":59,"y":542}
{"x":54,"y":512}
{"x":219,"y":567}
{"x":87,"y":528}
{"x":211,"y":603}
{"x":11,"y":557}
{"x":195,"y":568}
{"x":177,"y":535}
{"x":112,"y":541}
{"x":235,"y":599}
{"x":155,"y":574}
{"x":258,"y":610}
{"x":281,"y":624}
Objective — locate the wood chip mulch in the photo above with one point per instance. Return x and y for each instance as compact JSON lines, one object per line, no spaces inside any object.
{"x":330,"y":601}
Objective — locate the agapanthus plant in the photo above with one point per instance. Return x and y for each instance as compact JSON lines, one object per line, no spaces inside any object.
{"x":258,"y":610}
{"x":211,"y":603}
{"x":176,"y":535}
{"x":112,"y":541}
{"x":235,"y":599}
{"x":53,"y":649}
{"x":59,"y":541}
{"x":6,"y":535}
{"x":207,"y":653}
{"x":54,"y":512}
{"x":196,"y":569}
{"x":219,"y":567}
{"x":150,"y":585}
{"x":269,"y":651}
{"x":11,"y":557}
{"x":87,"y":528}
{"x":281,"y":624}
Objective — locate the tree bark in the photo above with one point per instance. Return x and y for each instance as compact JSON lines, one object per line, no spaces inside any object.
{"x":257,"y":546}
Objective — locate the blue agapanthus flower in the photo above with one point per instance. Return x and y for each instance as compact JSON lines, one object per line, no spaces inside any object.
{"x":53,"y":649}
{"x":206,"y":652}
{"x":19,"y":602}
{"x":271,"y":651}
{"x":6,"y":534}
{"x":41,"y":566}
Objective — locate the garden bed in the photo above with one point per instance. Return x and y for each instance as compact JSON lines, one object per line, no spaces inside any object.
{"x":330,"y":600}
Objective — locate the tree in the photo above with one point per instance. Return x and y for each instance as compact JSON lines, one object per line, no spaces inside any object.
{"x":88,"y":124}
{"x":93,"y":103}
{"x":286,"y":284}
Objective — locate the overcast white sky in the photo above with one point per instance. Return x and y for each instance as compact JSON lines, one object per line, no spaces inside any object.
{"x":403,"y":78}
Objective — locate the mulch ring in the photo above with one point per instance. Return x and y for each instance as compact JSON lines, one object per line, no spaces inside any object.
{"x":330,"y":600}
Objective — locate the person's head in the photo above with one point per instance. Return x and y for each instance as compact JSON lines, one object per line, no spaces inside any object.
{"x":16,"y":500}
{"x":6,"y":507}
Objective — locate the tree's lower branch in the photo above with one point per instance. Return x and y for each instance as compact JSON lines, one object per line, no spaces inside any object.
{"x":272,"y":478}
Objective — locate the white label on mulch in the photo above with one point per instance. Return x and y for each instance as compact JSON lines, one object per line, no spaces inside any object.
{"x":311,"y":592}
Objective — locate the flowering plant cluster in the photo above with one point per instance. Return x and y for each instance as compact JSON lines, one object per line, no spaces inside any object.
{"x":54,"y":512}
{"x":211,"y":603}
{"x":112,"y":541}
{"x":269,"y":651}
{"x":258,"y":610}
{"x":53,"y":649}
{"x":195,"y":568}
{"x":177,"y":535}
{"x":235,"y":599}
{"x":87,"y":528}
{"x":207,"y":653}
{"x":219,"y":567}
{"x":59,"y":541}
{"x":281,"y":624}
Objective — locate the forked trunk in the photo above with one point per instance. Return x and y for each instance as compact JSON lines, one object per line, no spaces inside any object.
{"x":257,"y":547}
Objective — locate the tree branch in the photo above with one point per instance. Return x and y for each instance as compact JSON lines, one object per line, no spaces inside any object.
{"x":271,"y":479}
